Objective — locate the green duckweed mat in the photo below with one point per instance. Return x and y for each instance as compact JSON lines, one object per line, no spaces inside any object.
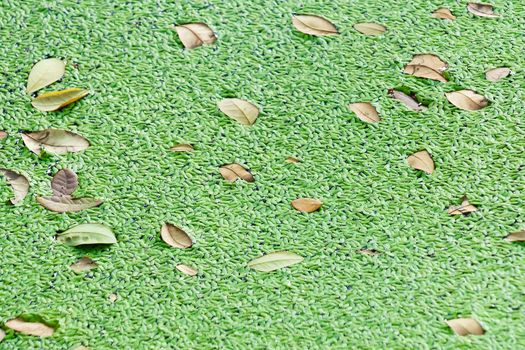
{"x":148,"y":94}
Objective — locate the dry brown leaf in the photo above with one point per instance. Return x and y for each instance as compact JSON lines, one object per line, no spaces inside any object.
{"x":240,"y":110}
{"x":55,"y":141}
{"x":370,"y":28}
{"x":175,"y":236}
{"x":182,"y":147}
{"x":497,"y":73}
{"x":54,"y":100}
{"x":465,"y":326}
{"x":64,"y":183}
{"x":407,"y":100}
{"x":66,"y":204}
{"x":36,"y":329}
{"x":427,"y":66}
{"x":232,"y":172}
{"x":467,"y":99}
{"x":518,"y":236}
{"x":421,"y":161}
{"x":193,"y":35}
{"x":443,"y":13}
{"x":113,"y":297}
{"x":274,"y":261}
{"x":44,"y":73}
{"x":314,"y":25}
{"x":187,"y":270}
{"x":81,"y":347}
{"x":3,"y":134}
{"x":306,"y":205}
{"x":292,"y":160}
{"x":365,"y":111}
{"x":18,"y":182}
{"x":83,"y":264}
{"x":366,"y":251}
{"x":482,"y":10}
{"x":424,"y":72}
{"x":463,"y":209}
{"x":2,"y":334}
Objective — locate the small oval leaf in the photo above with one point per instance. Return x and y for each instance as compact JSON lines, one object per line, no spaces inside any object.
{"x":175,"y":236}
{"x":274,"y":261}
{"x":52,"y":101}
{"x":366,"y":251}
{"x":307,"y":205}
{"x":407,"y":100}
{"x":55,"y":141}
{"x":464,"y":209}
{"x":182,"y":147}
{"x":518,"y":236}
{"x":240,"y":110}
{"x":314,"y":25}
{"x":481,"y":10}
{"x":87,"y":234}
{"x":187,"y":270}
{"x":365,"y":111}
{"x":18,"y":182}
{"x":83,"y":264}
{"x":36,"y":329}
{"x":64,"y":183}
{"x":293,"y":160}
{"x":44,"y":73}
{"x":66,"y":204}
{"x":497,"y":73}
{"x":465,"y":326}
{"x":467,"y":100}
{"x":193,"y":35}
{"x":232,"y":172}
{"x":443,"y":13}
{"x":421,"y":161}
{"x":370,"y":28}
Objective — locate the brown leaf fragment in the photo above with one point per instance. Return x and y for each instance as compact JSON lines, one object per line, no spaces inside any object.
{"x":240,"y":110}
{"x":407,"y":100}
{"x":430,"y":61}
{"x":366,"y":251}
{"x":421,"y":161}
{"x":481,"y":10}
{"x":232,"y":172}
{"x":467,"y":100}
{"x":314,"y":25}
{"x":36,"y":329}
{"x":292,"y":160}
{"x":54,"y":141}
{"x":182,"y":147}
{"x":83,"y":264}
{"x":64,"y":183}
{"x":2,"y":334}
{"x":443,"y":13}
{"x":464,"y":209}
{"x":55,"y":100}
{"x":497,"y":73}
{"x":3,"y":134}
{"x":175,"y":236}
{"x":186,"y":270}
{"x":306,"y":205}
{"x":365,"y":111}
{"x":193,"y":35}
{"x":465,"y":326}
{"x":18,"y":182}
{"x":372,"y":29}
{"x":113,"y":297}
{"x":518,"y":236}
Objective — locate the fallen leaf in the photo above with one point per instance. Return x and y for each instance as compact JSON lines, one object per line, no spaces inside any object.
{"x":54,"y":100}
{"x":36,"y":329}
{"x":467,"y":99}
{"x":83,"y":264}
{"x":370,"y":28}
{"x":314,"y":25}
{"x":18,"y":182}
{"x":497,"y":73}
{"x":44,"y":73}
{"x":292,"y":160}
{"x":274,"y":261}
{"x":370,"y":252}
{"x":465,"y":326}
{"x":182,"y":147}
{"x":421,"y":161}
{"x":187,"y":270}
{"x":3,"y":134}
{"x":482,"y":10}
{"x":64,"y":183}
{"x":427,"y":66}
{"x":518,"y":236}
{"x":193,"y":35}
{"x":232,"y":172}
{"x":424,"y":72}
{"x":2,"y":334}
{"x":87,"y":234}
{"x":365,"y":111}
{"x":306,"y":205}
{"x":443,"y":13}
{"x":240,"y":110}
{"x":81,"y":347}
{"x":407,"y":100}
{"x":55,"y":141}
{"x":175,"y":236}
{"x":464,"y":209}
{"x":113,"y":297}
{"x":67,"y":204}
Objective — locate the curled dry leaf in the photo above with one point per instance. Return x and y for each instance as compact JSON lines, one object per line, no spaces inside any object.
{"x":465,"y":326}
{"x":83,"y":264}
{"x":407,"y":100}
{"x":64,"y":183}
{"x":443,"y":13}
{"x":240,"y":110}
{"x":18,"y":182}
{"x":464,"y":209}
{"x":3,"y":134}
{"x":467,"y":100}
{"x":292,"y":160}
{"x":427,"y":66}
{"x":366,"y":251}
{"x":175,"y":236}
{"x":365,"y":111}
{"x":87,"y":234}
{"x":370,"y":28}
{"x":232,"y":172}
{"x":193,"y":35}
{"x":52,"y":101}
{"x":306,"y":205}
{"x":421,"y":161}
{"x":314,"y":25}
{"x":187,"y":270}
{"x":497,"y":73}
{"x":182,"y":147}
{"x":482,"y":10}
{"x":44,"y":73}
{"x":518,"y":236}
{"x":54,"y":141}
{"x":36,"y":329}
{"x":274,"y":261}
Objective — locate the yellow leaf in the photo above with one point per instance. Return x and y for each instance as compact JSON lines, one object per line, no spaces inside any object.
{"x":292,"y":160}
{"x":497,"y":73}
{"x":274,"y":261}
{"x":465,"y":326}
{"x":443,"y":13}
{"x":54,"y":141}
{"x":365,"y":111}
{"x":481,"y":10}
{"x":182,"y":147}
{"x":44,"y":73}
{"x":314,"y":25}
{"x":370,"y":28}
{"x":232,"y":172}
{"x":467,"y":100}
{"x":421,"y":161}
{"x":175,"y":236}
{"x":18,"y":182}
{"x":307,"y":205}
{"x":240,"y":110}
{"x":193,"y":35}
{"x":36,"y":329}
{"x":52,"y":101}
